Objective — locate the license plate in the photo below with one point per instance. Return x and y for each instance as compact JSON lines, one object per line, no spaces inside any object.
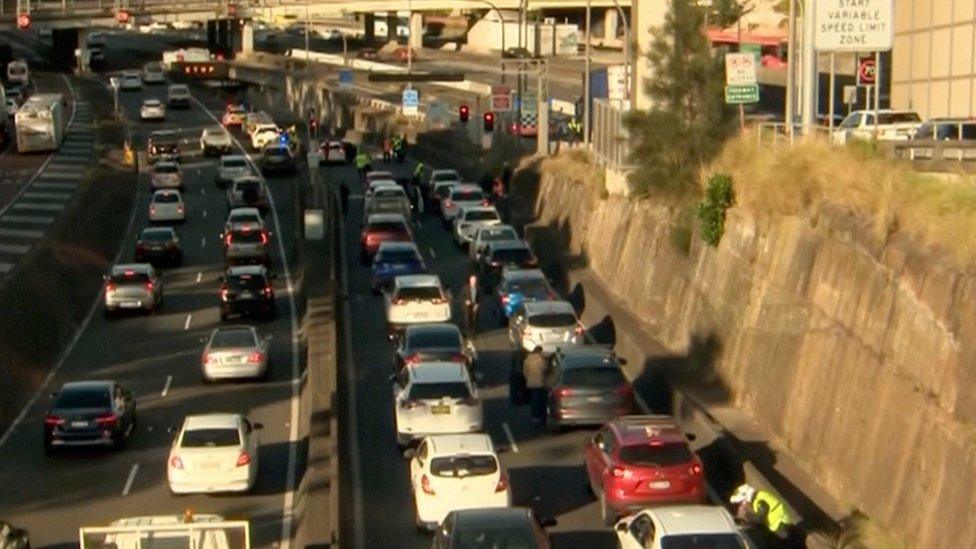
{"x":130,"y":304}
{"x":80,"y":424}
{"x":659,"y":485}
{"x":421,"y":315}
{"x":246,"y":295}
{"x":440,"y":409}
{"x":209,"y":465}
{"x":594,"y":399}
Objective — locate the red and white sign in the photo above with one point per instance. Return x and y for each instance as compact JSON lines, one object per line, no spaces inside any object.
{"x":23,"y":21}
{"x":501,"y":98}
{"x":122,"y":16}
{"x":740,"y":69}
{"x":867,"y":71}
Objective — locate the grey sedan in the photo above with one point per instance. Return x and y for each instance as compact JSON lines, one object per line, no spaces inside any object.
{"x":235,"y":352}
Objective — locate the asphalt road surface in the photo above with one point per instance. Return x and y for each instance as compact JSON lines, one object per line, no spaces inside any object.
{"x":158,"y":356}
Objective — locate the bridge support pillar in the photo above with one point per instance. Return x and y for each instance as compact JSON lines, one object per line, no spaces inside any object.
{"x":84,"y":56}
{"x":416,"y":30}
{"x":643,"y":16}
{"x":369,"y":28}
{"x":609,"y":25}
{"x":247,"y":36}
{"x":392,"y":22}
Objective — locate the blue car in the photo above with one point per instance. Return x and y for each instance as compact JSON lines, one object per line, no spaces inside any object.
{"x":394,"y":259}
{"x":519,"y":286}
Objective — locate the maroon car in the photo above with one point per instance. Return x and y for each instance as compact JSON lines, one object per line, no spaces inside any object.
{"x":381,"y":228}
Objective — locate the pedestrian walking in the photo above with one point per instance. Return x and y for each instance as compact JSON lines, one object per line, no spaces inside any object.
{"x":471,"y":305}
{"x":534,"y":370}
{"x":387,"y":150}
{"x":362,"y":164}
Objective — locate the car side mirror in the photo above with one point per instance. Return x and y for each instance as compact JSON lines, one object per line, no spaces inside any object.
{"x":691,"y":436}
{"x":257,"y":426}
{"x":410,"y":453}
{"x":620,"y":527}
{"x":548,"y":522}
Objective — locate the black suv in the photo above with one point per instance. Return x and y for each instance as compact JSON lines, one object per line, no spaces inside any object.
{"x":501,"y":254}
{"x":163,"y":145}
{"x":247,"y":290}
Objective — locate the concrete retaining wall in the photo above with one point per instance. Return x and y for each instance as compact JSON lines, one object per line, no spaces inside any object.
{"x":856,"y":356}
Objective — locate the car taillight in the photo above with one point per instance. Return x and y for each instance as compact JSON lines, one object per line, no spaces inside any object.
{"x":618,"y":472}
{"x":140,"y":247}
{"x":228,"y":239}
{"x":564,"y":392}
{"x":207,"y":359}
{"x":243,"y":459}
{"x":578,"y":330}
{"x":264,"y":238}
{"x":459,"y":357}
{"x":412,"y":359}
{"x":153,"y":149}
{"x":410,"y":404}
{"x":268,"y":290}
{"x":484,"y":201}
{"x":254,"y":358}
{"x":496,"y":263}
{"x":175,"y":462}
{"x":502,"y":482}
{"x":106,"y":419}
{"x":695,"y":470}
{"x":552,"y":295}
{"x":425,"y":485}
{"x":223,"y":293}
{"x":532,"y":262}
{"x":438,"y":301}
{"x":54,"y":420}
{"x":622,"y":390}
{"x":179,"y":209}
{"x":399,"y":301}
{"x":152,"y":210}
{"x":470,"y":401}
{"x":110,"y":287}
{"x":505,"y":299}
{"x":149,"y":286}
{"x":448,"y":203}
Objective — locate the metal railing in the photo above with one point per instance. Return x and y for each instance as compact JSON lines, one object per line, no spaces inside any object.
{"x":934,"y":150}
{"x":778,"y":134}
{"x":611,"y":140}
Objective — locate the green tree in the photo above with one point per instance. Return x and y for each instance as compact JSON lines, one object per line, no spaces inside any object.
{"x":689,"y":120}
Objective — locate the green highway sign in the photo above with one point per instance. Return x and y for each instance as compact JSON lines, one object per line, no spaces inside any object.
{"x":739,"y":95}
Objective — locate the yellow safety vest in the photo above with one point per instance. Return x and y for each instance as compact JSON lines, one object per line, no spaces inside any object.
{"x":777,"y":516}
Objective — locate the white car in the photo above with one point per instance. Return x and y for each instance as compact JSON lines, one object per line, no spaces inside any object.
{"x":378,"y":174}
{"x":152,"y":73}
{"x":264,"y":134}
{"x":433,"y":398}
{"x":167,"y":205}
{"x":18,"y":73}
{"x":235,"y":352}
{"x":443,"y":176}
{"x":152,"y":109}
{"x":384,"y":183}
{"x":215,"y":140}
{"x":485,"y":235}
{"x":678,"y":526}
{"x":890,"y":125}
{"x":471,"y":218}
{"x":244,"y":218}
{"x":166,"y":174}
{"x":178,"y":95}
{"x":461,"y":196}
{"x":213,"y":453}
{"x":416,"y":299}
{"x":12,"y":106}
{"x":333,"y":152}
{"x":186,"y":25}
{"x":546,"y":324}
{"x":453,"y":473}
{"x":130,"y":81}
{"x":231,"y":167}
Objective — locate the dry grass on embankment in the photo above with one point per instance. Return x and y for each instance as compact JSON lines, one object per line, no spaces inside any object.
{"x":796,"y":181}
{"x":576,"y":166}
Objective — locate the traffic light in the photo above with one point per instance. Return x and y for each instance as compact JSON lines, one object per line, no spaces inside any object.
{"x":23,"y":21}
{"x":122,"y":16}
{"x":464,"y":113}
{"x":489,"y":122}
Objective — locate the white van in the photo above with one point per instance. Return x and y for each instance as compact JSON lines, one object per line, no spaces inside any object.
{"x":17,"y":73}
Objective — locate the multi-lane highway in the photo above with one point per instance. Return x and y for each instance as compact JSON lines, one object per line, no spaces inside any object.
{"x":158,"y":357}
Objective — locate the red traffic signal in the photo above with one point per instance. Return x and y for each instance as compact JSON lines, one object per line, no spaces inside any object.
{"x":489,"y":121}
{"x":464,"y":113}
{"x":122,"y":16}
{"x":23,"y":21}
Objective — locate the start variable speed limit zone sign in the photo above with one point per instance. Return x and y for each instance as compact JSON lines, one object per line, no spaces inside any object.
{"x":854,"y":25}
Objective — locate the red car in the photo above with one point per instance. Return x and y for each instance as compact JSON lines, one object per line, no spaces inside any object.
{"x":637,"y":461}
{"x":381,"y":228}
{"x":233,"y":115}
{"x":402,"y":54}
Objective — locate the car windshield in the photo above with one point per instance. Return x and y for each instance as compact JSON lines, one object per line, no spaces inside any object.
{"x":463,"y":466}
{"x":481,"y":215}
{"x":446,"y":176}
{"x":600,"y":376}
{"x":210,"y":438}
{"x":151,"y":103}
{"x":430,"y":339}
{"x":552,"y":320}
{"x":83,"y":398}
{"x":387,"y":227}
{"x":529,"y":286}
{"x":166,"y":168}
{"x":420,"y":293}
{"x":511,"y":255}
{"x":276,"y":151}
{"x":702,"y":541}
{"x":244,"y":217}
{"x":898,"y":118}
{"x":153,"y":66}
{"x":494,"y":235}
{"x":234,"y":163}
{"x":663,"y":455}
{"x":247,"y":186}
{"x":233,"y":338}
{"x":486,"y":536}
{"x":179,"y":90}
{"x":397,"y":256}
{"x":246,"y":282}
{"x":156,"y":235}
{"x":467,"y":196}
{"x":438,"y":391}
{"x":166,"y":198}
{"x":388,"y":191}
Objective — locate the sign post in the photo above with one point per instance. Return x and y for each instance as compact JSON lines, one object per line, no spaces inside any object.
{"x":741,"y":86}
{"x":411,"y":102}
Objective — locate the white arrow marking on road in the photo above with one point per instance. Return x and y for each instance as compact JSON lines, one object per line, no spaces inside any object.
{"x":432,"y":254}
{"x":199,"y":277}
{"x":511,"y":439}
{"x":186,"y":325}
{"x":203,"y":241}
{"x":204,"y":214}
{"x":132,"y":477}
{"x":169,"y":380}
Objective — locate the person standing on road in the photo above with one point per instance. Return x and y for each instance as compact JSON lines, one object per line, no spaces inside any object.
{"x":471,"y":305}
{"x":362,"y":164}
{"x":763,"y":508}
{"x":387,"y":150}
{"x":534,"y":371}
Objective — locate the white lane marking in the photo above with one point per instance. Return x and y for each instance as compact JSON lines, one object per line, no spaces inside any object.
{"x":203,"y":190}
{"x":60,"y":186}
{"x":169,"y":381}
{"x":14,"y":248}
{"x":71,"y":344}
{"x":129,"y":481}
{"x":21,"y":233}
{"x":30,"y":219}
{"x":203,"y":241}
{"x":204,"y":214}
{"x":6,"y":267}
{"x":38,"y":206}
{"x":432,"y":253}
{"x":199,"y":276}
{"x":289,"y":498}
{"x":40,"y":194}
{"x":186,"y":325}
{"x":511,"y":439}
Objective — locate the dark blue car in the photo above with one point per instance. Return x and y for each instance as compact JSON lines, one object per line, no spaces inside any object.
{"x":519,"y":286}
{"x":394,"y":259}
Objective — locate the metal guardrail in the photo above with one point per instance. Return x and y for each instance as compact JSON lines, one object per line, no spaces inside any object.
{"x":934,"y":150}
{"x":611,"y":140}
{"x":778,"y":133}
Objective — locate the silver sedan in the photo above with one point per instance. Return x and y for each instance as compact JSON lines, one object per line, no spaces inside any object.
{"x":235,"y":352}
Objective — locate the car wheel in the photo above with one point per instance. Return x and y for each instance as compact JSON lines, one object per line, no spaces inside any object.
{"x":48,"y":448}
{"x":552,"y":425}
{"x":118,"y":441}
{"x":416,"y":517}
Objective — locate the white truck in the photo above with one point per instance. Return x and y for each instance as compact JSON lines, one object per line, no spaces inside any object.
{"x":40,"y":123}
{"x":187,"y":531}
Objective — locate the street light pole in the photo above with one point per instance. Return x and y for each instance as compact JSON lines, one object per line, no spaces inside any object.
{"x":409,"y":37}
{"x":308,"y":30}
{"x":790,"y":115}
{"x":586,"y":79}
{"x":810,"y":72}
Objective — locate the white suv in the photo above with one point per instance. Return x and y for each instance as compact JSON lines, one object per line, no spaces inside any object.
{"x":433,"y":398}
{"x":678,"y":526}
{"x":461,"y":196}
{"x":416,"y":299}
{"x":546,"y":324}
{"x":455,"y":472}
{"x":471,"y":218}
{"x":891,"y":125}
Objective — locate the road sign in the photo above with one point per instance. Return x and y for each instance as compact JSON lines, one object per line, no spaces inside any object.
{"x":854,"y":25}
{"x":122,"y":16}
{"x":23,"y":21}
{"x":501,"y":98}
{"x":850,"y":95}
{"x":740,"y":69}
{"x":530,"y":102}
{"x":741,"y":95}
{"x":411,"y":101}
{"x":867,"y":71}
{"x":345,"y":78}
{"x":754,"y":49}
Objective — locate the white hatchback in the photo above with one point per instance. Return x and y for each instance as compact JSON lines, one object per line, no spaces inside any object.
{"x":416,"y":299}
{"x":264,"y":134}
{"x":435,"y":398}
{"x":471,"y":218}
{"x":679,"y":526}
{"x":213,"y":453}
{"x":130,"y":81}
{"x":461,"y":196}
{"x":453,"y":473}
{"x":166,"y":174}
{"x":167,"y":205}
